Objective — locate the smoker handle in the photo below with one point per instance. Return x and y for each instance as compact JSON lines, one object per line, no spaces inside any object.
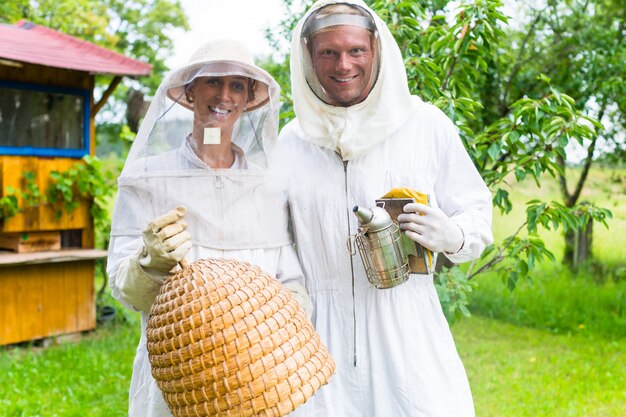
{"x":350,"y":244}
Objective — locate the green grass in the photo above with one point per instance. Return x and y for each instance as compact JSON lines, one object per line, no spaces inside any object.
{"x":90,"y":378}
{"x":513,"y":372}
{"x":556,"y":300}
{"x":572,"y":362}
{"x":517,"y":372}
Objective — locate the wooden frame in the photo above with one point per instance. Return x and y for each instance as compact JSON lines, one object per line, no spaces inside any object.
{"x":84,"y":94}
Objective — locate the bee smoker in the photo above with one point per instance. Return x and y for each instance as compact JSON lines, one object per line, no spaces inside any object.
{"x":378,"y":240}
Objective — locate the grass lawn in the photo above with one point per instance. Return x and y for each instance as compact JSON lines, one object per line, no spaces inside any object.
{"x":513,"y":371}
{"x":86,"y":379}
{"x":572,"y":362}
{"x":519,"y":372}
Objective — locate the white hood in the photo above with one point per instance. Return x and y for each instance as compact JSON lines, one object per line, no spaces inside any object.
{"x":353,"y":131}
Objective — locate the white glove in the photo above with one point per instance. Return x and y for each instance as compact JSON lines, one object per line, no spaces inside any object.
{"x":139,"y":277}
{"x":301,"y":295}
{"x":137,"y":286}
{"x":166,"y":241}
{"x":431,"y":228}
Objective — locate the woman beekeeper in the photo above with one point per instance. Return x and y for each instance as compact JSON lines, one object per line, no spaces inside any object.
{"x":209,"y":169}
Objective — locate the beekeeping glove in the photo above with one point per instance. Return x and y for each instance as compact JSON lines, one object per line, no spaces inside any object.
{"x":301,"y":295}
{"x":137,"y":287}
{"x":431,"y":228}
{"x":165,"y":241}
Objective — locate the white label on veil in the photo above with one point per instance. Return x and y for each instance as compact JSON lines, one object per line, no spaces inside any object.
{"x":212,"y":136}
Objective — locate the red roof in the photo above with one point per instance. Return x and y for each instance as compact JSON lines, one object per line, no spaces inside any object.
{"x":35,"y":44}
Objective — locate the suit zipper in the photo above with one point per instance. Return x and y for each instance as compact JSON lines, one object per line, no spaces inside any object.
{"x":345,"y":178}
{"x":218,"y":183}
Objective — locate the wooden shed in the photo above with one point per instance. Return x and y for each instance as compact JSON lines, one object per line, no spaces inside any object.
{"x":47,"y":111}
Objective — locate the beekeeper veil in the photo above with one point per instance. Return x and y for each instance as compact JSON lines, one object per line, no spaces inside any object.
{"x":170,"y":118}
{"x":164,"y":170}
{"x":351,"y":130}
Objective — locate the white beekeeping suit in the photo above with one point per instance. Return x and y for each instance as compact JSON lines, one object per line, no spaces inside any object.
{"x":394,"y":351}
{"x":230,"y":213}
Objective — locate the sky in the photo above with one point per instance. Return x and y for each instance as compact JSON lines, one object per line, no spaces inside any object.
{"x":243,"y":20}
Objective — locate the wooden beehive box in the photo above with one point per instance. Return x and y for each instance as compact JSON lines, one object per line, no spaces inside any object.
{"x":47,"y":254}
{"x":28,"y":242}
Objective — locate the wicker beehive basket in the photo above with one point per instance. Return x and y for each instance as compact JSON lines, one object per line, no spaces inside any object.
{"x":226,"y":339}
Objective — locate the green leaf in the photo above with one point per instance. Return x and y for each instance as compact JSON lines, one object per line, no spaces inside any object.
{"x":512,"y":280}
{"x":494,"y":151}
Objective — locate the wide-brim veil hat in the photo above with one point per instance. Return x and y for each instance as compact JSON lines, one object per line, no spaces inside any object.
{"x":219,"y":57}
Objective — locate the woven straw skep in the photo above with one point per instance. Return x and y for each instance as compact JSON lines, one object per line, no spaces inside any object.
{"x":226,"y":339}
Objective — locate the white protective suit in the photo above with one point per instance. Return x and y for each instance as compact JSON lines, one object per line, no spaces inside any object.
{"x":231,"y":213}
{"x":394,"y":351}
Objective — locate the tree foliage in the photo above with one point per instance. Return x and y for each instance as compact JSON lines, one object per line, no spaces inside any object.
{"x":137,"y":28}
{"x":517,"y":99}
{"x":579,"y":45}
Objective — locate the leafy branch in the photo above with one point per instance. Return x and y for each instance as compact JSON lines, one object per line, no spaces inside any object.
{"x":29,"y":194}
{"x":86,"y":180}
{"x":517,"y":255}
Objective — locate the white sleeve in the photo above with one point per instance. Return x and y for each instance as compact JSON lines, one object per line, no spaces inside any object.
{"x":464,"y":197}
{"x":289,"y":273}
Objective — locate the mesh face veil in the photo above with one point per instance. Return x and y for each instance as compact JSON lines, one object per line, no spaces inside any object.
{"x":324,"y":19}
{"x":163,"y":169}
{"x":168,"y":121}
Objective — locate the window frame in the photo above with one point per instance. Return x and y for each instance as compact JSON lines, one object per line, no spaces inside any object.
{"x":53,"y":152}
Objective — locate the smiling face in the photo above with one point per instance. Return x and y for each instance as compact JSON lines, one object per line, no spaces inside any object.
{"x":342,"y":59}
{"x":219,"y":101}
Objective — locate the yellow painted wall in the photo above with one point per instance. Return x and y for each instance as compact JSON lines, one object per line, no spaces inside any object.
{"x":43,"y":300}
{"x":42,"y":218}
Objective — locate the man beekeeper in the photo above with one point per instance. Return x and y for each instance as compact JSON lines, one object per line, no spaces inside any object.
{"x":358,"y":134}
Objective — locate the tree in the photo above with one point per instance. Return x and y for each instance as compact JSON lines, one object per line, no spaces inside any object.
{"x":579,"y":45}
{"x":137,"y":28}
{"x":458,"y":59}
